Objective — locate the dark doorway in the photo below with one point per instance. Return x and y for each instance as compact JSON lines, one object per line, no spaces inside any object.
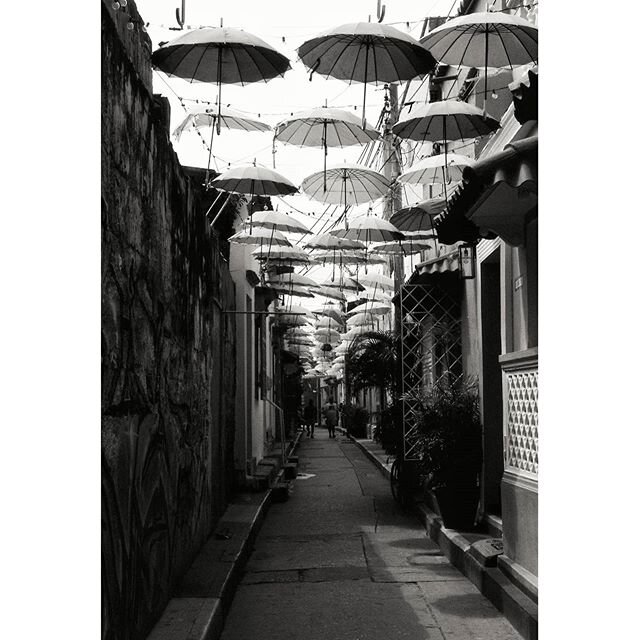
{"x":491,"y":314}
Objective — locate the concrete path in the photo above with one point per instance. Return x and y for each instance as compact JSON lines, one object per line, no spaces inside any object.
{"x":340,"y":561}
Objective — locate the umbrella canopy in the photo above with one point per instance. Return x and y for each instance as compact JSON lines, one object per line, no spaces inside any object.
{"x":377,"y":280}
{"x":332,"y":313}
{"x":417,"y":218}
{"x":484,"y":40}
{"x":291,"y":290}
{"x":375,"y":308}
{"x":344,"y":257}
{"x":220,"y":55}
{"x":330,"y":292}
{"x":369,"y":229}
{"x":366,"y":52}
{"x":289,"y":255}
{"x":445,"y":120}
{"x":360,"y":319}
{"x":260,"y":236}
{"x":253,"y":180}
{"x":354,"y":332}
{"x":346,"y":184}
{"x":343,"y":283}
{"x":295,"y":308}
{"x":327,"y":335}
{"x":326,"y":322}
{"x":324,"y":127}
{"x":434,"y":169}
{"x":329,"y":241}
{"x":291,"y":320}
{"x":277,"y":220}
{"x":229,"y":119}
{"x":396,"y":248}
{"x":375,"y":294}
{"x":291,"y":279}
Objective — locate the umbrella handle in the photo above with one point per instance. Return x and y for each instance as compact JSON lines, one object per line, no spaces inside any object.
{"x":180,"y":16}
{"x":366,"y":69}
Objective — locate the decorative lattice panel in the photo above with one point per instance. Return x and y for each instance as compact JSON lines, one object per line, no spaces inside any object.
{"x":521,"y":451}
{"x":430,"y":347}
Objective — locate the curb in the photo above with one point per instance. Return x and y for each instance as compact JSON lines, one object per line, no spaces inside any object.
{"x":205,"y":594}
{"x":463,"y":553}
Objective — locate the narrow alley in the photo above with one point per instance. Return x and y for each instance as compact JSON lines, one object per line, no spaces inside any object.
{"x":340,"y":560}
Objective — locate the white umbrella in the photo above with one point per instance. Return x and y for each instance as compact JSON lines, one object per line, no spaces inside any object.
{"x":346,"y":184}
{"x":284,"y":254}
{"x":330,"y":292}
{"x":436,"y":168}
{"x":374,"y":280}
{"x":376,"y":308}
{"x":277,"y":220}
{"x":328,"y":241}
{"x":343,"y":283}
{"x":327,"y":322}
{"x":259,"y":236}
{"x":360,"y":319}
{"x":291,"y":279}
{"x":201,"y":116}
{"x":367,"y":229}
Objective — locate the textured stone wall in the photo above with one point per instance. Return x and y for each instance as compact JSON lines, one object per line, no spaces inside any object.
{"x":167,"y":351}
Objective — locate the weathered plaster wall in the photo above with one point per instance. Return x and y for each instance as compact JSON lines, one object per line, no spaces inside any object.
{"x":168,"y":351}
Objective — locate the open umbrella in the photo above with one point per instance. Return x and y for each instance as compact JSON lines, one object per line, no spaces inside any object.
{"x":367,"y":229}
{"x":291,"y":279}
{"x":434,"y":169}
{"x":483,"y":40}
{"x":330,"y":242}
{"x":346,"y":184}
{"x":326,"y":322}
{"x":376,"y":308}
{"x":366,"y":52}
{"x":343,"y":283}
{"x":361,"y":319}
{"x":286,"y":255}
{"x":324,"y":127}
{"x":396,"y":248}
{"x":330,"y":292}
{"x":377,"y":280}
{"x":277,"y":220}
{"x":220,"y":55}
{"x":251,"y":180}
{"x":417,"y":218}
{"x":445,"y":120}
{"x":270,"y":237}
{"x":346,"y":257}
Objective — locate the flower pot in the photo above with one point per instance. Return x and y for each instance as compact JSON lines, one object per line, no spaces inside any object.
{"x":458,"y":506}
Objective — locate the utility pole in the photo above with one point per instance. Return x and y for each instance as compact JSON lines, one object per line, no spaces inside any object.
{"x":391,"y":170}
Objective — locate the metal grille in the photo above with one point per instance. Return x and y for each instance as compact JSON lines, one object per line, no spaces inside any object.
{"x":430,"y":347}
{"x":521,"y":452}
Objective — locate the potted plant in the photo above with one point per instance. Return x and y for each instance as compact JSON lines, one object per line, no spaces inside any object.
{"x":451,"y":451}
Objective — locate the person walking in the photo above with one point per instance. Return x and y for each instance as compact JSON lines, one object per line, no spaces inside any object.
{"x":331,"y":417}
{"x":309,"y":417}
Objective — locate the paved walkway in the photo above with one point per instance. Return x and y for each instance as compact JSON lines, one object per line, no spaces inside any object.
{"x":340,"y":561}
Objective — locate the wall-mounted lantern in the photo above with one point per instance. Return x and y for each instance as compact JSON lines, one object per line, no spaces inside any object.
{"x":467,"y":261}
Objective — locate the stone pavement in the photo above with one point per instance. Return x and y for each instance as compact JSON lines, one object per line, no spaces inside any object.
{"x":340,"y":561}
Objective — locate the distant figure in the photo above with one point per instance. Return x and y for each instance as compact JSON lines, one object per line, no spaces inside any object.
{"x":331,"y":416}
{"x":309,"y":416}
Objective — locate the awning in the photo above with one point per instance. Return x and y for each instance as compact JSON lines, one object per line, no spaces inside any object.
{"x":445,"y":263}
{"x":497,"y":196}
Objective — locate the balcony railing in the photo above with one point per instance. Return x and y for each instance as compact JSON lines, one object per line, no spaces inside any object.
{"x":520,"y":389}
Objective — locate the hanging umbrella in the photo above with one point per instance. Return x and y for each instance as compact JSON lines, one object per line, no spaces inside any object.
{"x":291,"y":320}
{"x":346,"y":257}
{"x":277,"y":220}
{"x":327,"y":335}
{"x":343,"y":283}
{"x":332,"y":313}
{"x":260,"y":236}
{"x":329,"y":241}
{"x":329,"y":323}
{"x":366,"y":52}
{"x":434,"y":169}
{"x":202,"y":116}
{"x":291,"y":290}
{"x":346,"y":184}
{"x":361,"y":319}
{"x":324,"y":127}
{"x":417,"y":218}
{"x":291,"y":279}
{"x":376,"y":308}
{"x":443,"y":121}
{"x":287,"y":255}
{"x":374,"y":280}
{"x":367,"y":229}
{"x":375,"y":294}
{"x":354,"y":332}
{"x":330,"y":292}
{"x":252,"y":180}
{"x":397,"y":248}
{"x":220,"y":55}
{"x":483,"y":40}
